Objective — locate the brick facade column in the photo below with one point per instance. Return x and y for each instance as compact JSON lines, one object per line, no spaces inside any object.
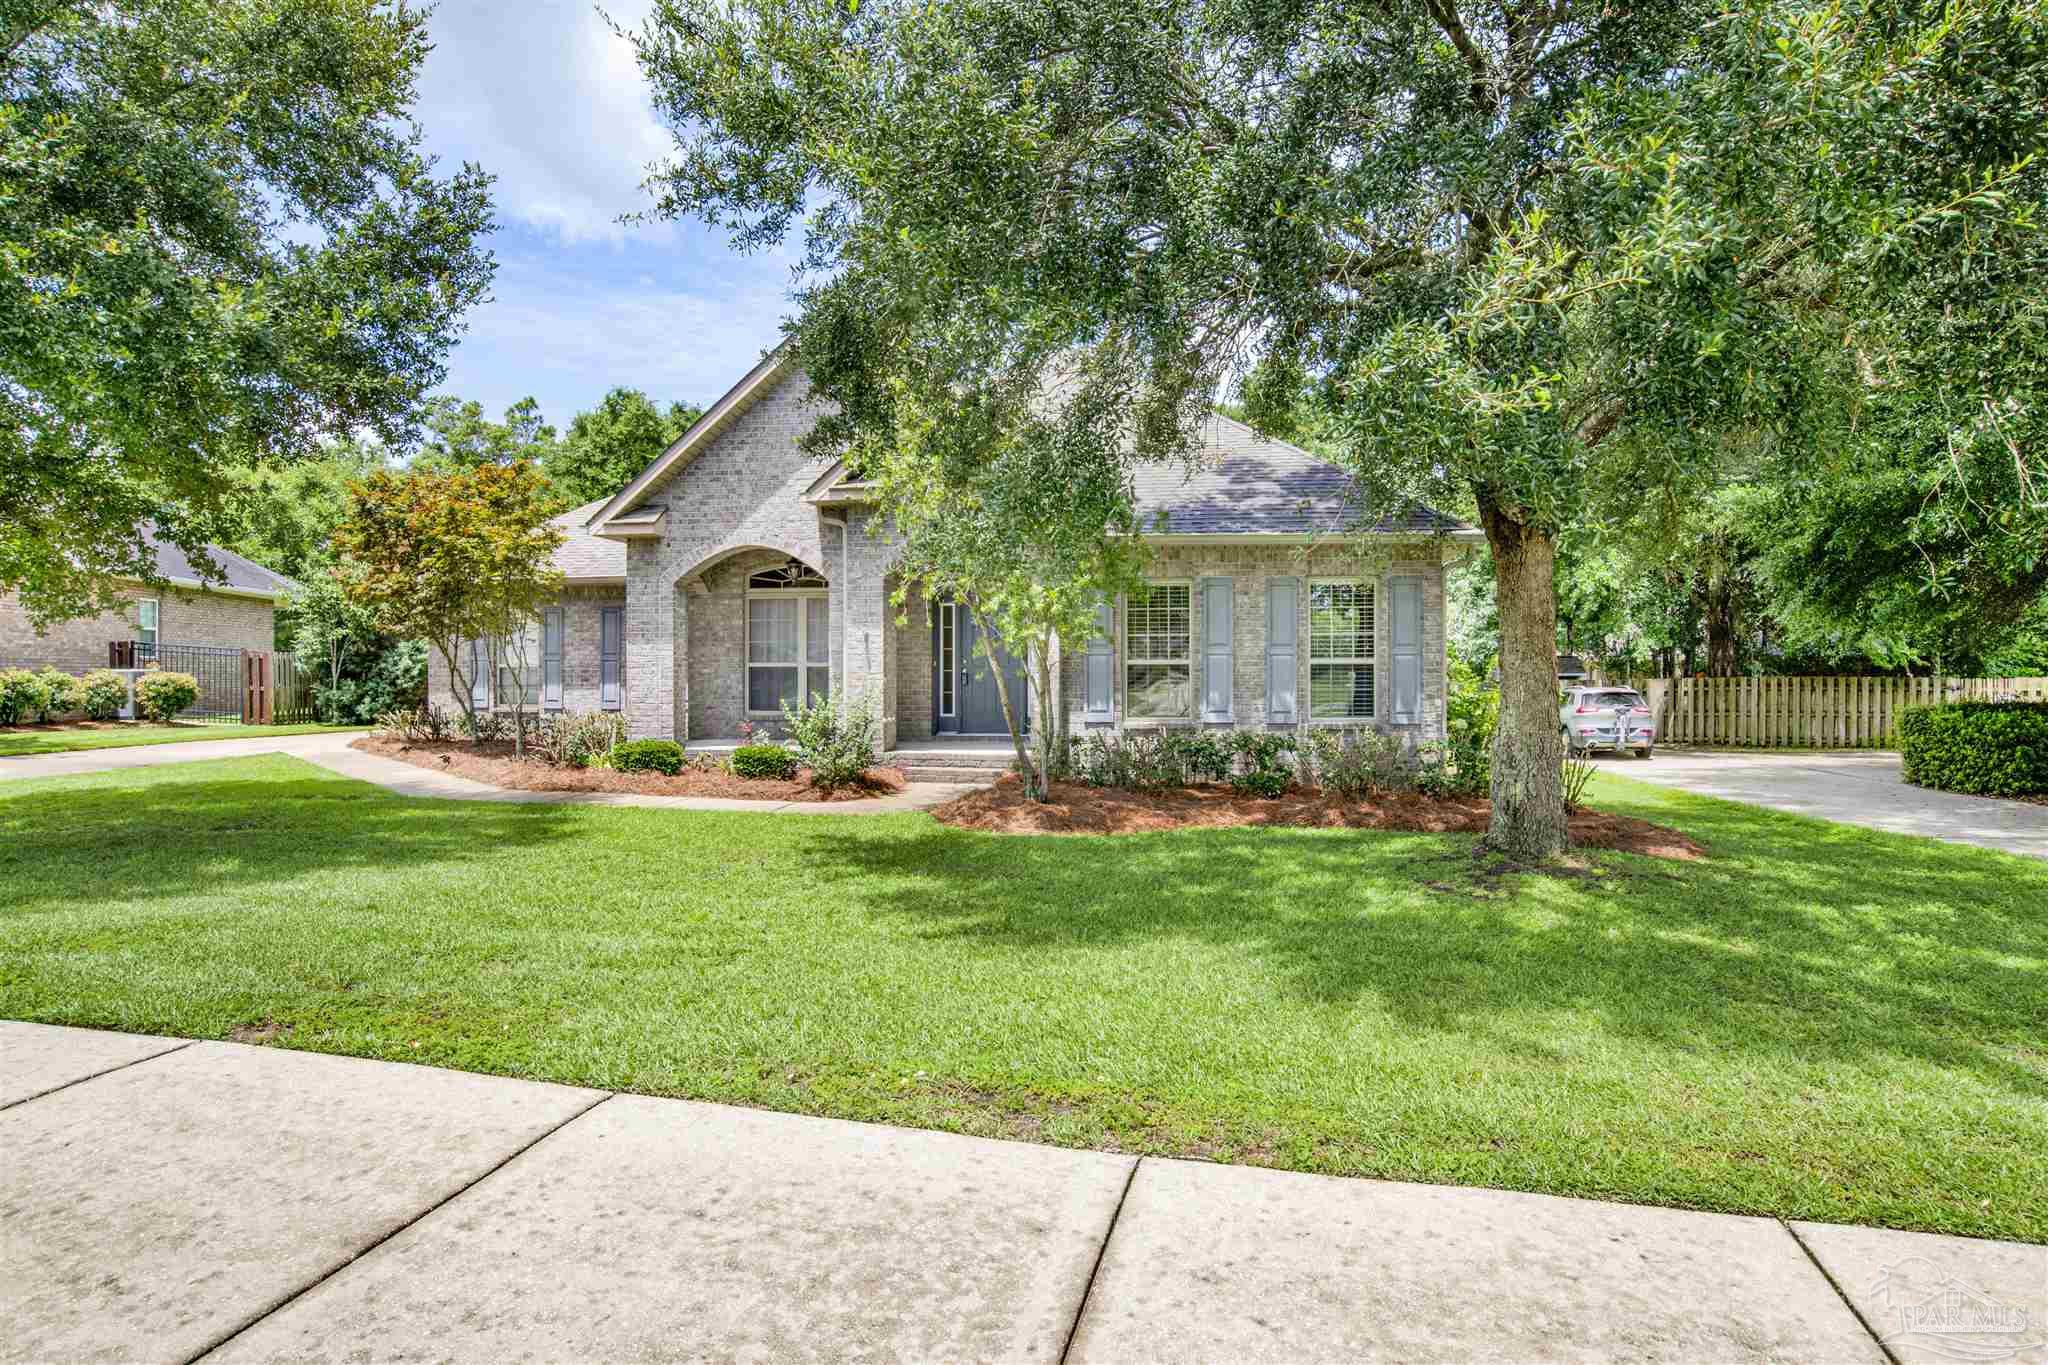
{"x":656,"y":649}
{"x":870,"y":628}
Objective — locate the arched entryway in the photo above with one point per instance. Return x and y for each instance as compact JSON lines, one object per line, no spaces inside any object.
{"x":762,"y":630}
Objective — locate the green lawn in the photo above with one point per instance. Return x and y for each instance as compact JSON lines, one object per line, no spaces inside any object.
{"x":37,"y":740}
{"x":1820,"y":1021}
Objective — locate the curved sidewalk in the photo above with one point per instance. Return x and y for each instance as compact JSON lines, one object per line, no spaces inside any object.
{"x":332,"y":751}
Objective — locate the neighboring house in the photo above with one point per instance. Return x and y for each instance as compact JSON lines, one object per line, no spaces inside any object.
{"x":736,"y":573}
{"x":235,"y":611}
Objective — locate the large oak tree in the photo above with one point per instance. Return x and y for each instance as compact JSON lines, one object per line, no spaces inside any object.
{"x":1512,"y":254}
{"x":220,"y":242}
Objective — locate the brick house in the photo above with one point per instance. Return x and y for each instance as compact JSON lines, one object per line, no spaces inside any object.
{"x":735,"y":573}
{"x":235,"y":610}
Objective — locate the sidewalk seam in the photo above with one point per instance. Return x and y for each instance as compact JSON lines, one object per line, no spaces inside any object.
{"x":322,"y":1277}
{"x":1840,"y":1293}
{"x":119,"y":1066}
{"x":1095,"y":1271}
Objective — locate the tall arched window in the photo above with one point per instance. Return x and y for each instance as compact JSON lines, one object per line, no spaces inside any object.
{"x":789,"y":637}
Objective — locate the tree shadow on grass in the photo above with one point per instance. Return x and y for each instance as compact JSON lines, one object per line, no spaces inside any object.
{"x":99,"y":841}
{"x":1802,"y":943}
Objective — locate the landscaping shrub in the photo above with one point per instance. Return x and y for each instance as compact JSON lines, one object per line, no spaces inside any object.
{"x":1578,"y":774}
{"x":102,"y":693}
{"x":414,"y":723}
{"x":1986,"y":748}
{"x":59,"y":694}
{"x":1355,"y":763}
{"x":577,"y":739}
{"x":160,"y":695}
{"x":764,"y":760}
{"x":835,"y":738}
{"x":1266,"y":762}
{"x":485,"y":727}
{"x":648,"y":756}
{"x":19,"y":695}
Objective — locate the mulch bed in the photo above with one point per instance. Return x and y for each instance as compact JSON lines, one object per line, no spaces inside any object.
{"x":495,"y":764}
{"x":1004,"y":809}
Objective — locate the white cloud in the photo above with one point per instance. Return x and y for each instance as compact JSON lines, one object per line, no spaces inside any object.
{"x":557,"y":333}
{"x":546,"y":97}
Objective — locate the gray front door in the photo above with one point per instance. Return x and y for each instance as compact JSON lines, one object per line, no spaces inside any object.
{"x":976,"y":707}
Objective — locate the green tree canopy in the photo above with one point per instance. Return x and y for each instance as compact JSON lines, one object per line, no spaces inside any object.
{"x":459,"y":436}
{"x":221,"y":242}
{"x":614,"y":441}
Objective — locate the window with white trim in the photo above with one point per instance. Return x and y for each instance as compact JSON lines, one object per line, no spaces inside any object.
{"x":146,"y":617}
{"x":1159,"y":652}
{"x":1340,"y":649}
{"x":947,"y":613}
{"x":789,"y":638}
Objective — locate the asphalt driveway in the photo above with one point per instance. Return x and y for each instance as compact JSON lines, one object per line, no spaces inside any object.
{"x":1859,"y":787}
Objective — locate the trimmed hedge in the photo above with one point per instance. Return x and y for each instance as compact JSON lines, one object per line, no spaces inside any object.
{"x":1986,"y":748}
{"x":764,"y":760}
{"x":160,"y":696}
{"x":648,"y":756}
{"x":101,"y":694}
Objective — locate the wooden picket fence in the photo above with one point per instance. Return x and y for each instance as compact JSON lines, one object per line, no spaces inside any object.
{"x":1811,"y":712}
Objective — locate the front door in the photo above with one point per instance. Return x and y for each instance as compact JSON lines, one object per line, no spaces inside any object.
{"x":964,"y":693}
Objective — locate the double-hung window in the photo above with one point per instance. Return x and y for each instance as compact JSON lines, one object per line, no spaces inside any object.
{"x":789,"y":638}
{"x":1159,"y":652}
{"x":1340,"y":650}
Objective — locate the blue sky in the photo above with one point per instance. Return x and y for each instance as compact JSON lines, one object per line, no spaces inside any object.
{"x":545,"y":97}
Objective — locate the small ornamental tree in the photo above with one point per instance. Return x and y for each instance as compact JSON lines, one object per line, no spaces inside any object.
{"x":1021,"y":514}
{"x":453,"y":556}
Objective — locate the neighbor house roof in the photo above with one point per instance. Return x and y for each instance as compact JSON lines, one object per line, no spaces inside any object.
{"x":238,"y":577}
{"x":585,"y":557}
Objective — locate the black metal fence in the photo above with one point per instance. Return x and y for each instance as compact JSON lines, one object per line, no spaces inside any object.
{"x":235,"y":685}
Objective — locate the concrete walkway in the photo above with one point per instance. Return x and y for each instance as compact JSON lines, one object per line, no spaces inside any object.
{"x":1857,"y":787}
{"x":164,"y":1200}
{"x":332,"y":751}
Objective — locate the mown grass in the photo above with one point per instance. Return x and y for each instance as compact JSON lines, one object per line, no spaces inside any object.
{"x":35,"y":739}
{"x":1818,"y":1021}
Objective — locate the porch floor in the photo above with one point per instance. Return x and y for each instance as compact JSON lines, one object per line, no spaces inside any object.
{"x":923,"y":750}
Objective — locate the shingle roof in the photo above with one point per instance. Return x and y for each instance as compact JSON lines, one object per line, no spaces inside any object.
{"x":583,"y":555}
{"x":1246,"y":484}
{"x":238,"y":574}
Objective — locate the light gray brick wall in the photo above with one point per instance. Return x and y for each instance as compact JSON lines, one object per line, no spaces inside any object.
{"x":743,"y":491}
{"x":1249,"y":568}
{"x":582,"y":664}
{"x":184,"y":618}
{"x":913,"y":666}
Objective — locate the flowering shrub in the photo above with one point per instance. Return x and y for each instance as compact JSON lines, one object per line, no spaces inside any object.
{"x":161,"y":695}
{"x":101,"y":694}
{"x":835,"y":738}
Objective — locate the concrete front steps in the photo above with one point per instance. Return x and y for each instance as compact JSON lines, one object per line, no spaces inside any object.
{"x":966,"y":763}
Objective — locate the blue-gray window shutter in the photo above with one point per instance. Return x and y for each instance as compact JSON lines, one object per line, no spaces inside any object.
{"x":479,"y":673}
{"x":1216,"y":643}
{"x":611,"y":688}
{"x":1099,"y":671}
{"x":551,"y":657}
{"x":1281,"y":632}
{"x":1407,"y":595}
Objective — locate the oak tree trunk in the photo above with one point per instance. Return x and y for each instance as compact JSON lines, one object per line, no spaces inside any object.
{"x":1528,"y":821}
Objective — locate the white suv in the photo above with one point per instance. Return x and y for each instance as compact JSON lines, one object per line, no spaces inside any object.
{"x":1614,"y":718}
